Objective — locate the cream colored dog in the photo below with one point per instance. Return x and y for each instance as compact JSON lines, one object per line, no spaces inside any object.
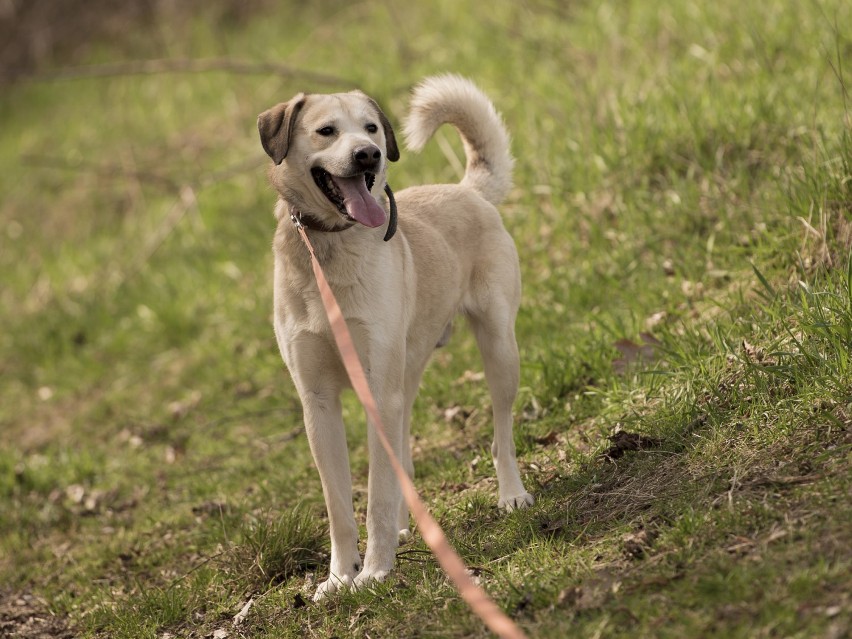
{"x":451,"y":256}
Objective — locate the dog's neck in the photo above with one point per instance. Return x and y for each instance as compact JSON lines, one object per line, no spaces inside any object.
{"x":313,"y":224}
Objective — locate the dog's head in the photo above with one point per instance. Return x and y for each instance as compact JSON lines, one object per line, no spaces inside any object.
{"x":330,"y":154}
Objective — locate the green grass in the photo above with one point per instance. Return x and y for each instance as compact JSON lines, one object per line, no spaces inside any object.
{"x":683,"y":171}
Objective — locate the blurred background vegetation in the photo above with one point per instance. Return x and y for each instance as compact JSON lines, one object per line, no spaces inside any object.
{"x":682,"y":211}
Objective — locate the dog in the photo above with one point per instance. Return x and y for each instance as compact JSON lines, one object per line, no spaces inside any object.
{"x":447,"y":255}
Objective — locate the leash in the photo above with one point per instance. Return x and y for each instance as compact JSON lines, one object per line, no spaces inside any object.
{"x":430,"y":530}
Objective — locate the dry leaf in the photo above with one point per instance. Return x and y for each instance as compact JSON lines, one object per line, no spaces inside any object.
{"x":532,"y":411}
{"x":623,"y":441}
{"x":470,"y":376}
{"x":451,"y":413}
{"x":655,"y":319}
{"x":631,"y":352}
{"x":547,"y":440}
{"x":635,"y":544}
{"x":75,"y":493}
{"x":591,"y":594}
{"x":243,"y":613}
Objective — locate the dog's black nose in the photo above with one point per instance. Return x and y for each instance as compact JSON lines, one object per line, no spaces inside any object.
{"x":367,"y":157}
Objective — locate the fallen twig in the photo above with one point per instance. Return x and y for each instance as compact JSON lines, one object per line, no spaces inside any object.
{"x":198,"y":565}
{"x":185,"y":203}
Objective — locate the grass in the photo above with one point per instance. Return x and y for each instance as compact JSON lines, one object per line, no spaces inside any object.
{"x":683,"y":203}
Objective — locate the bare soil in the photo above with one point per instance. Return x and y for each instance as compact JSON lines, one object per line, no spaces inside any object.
{"x":24,"y":616}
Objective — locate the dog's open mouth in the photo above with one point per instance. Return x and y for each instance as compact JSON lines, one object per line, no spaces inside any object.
{"x":351,"y":196}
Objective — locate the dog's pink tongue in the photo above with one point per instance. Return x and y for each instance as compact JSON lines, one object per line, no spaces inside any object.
{"x":360,"y":204}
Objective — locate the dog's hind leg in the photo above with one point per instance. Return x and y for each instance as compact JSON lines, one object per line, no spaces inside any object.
{"x":495,"y":335}
{"x":408,"y":465}
{"x":413,"y":375}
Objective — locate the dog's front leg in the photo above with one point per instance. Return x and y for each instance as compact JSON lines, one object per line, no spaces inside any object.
{"x":327,"y":438}
{"x":384,"y":497}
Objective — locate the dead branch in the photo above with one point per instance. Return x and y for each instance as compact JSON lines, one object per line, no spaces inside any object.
{"x":185,"y":65}
{"x":101,"y":170}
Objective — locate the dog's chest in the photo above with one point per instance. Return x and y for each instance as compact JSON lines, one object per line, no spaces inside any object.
{"x":364,"y":292}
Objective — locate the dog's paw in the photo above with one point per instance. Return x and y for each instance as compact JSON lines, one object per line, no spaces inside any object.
{"x":517,"y":502}
{"x":331,"y":586}
{"x":404,"y":535}
{"x":368,"y":578}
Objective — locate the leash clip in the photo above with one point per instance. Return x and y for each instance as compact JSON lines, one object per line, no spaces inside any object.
{"x":296,"y":220}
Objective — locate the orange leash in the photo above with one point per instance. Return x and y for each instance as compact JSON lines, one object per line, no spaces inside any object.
{"x":431,"y":532}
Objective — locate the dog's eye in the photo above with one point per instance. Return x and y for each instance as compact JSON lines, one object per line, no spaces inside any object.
{"x":371,"y":128}
{"x":326,"y":131}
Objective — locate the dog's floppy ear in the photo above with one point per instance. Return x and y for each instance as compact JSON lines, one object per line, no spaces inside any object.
{"x":276,"y":127}
{"x":392,"y":148}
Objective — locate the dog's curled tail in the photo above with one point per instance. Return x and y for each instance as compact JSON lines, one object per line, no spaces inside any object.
{"x":455,"y":100}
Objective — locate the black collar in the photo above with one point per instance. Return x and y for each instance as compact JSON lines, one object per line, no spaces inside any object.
{"x":312,"y":223}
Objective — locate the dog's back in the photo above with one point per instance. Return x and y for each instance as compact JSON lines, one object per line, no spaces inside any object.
{"x":454,"y":100}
